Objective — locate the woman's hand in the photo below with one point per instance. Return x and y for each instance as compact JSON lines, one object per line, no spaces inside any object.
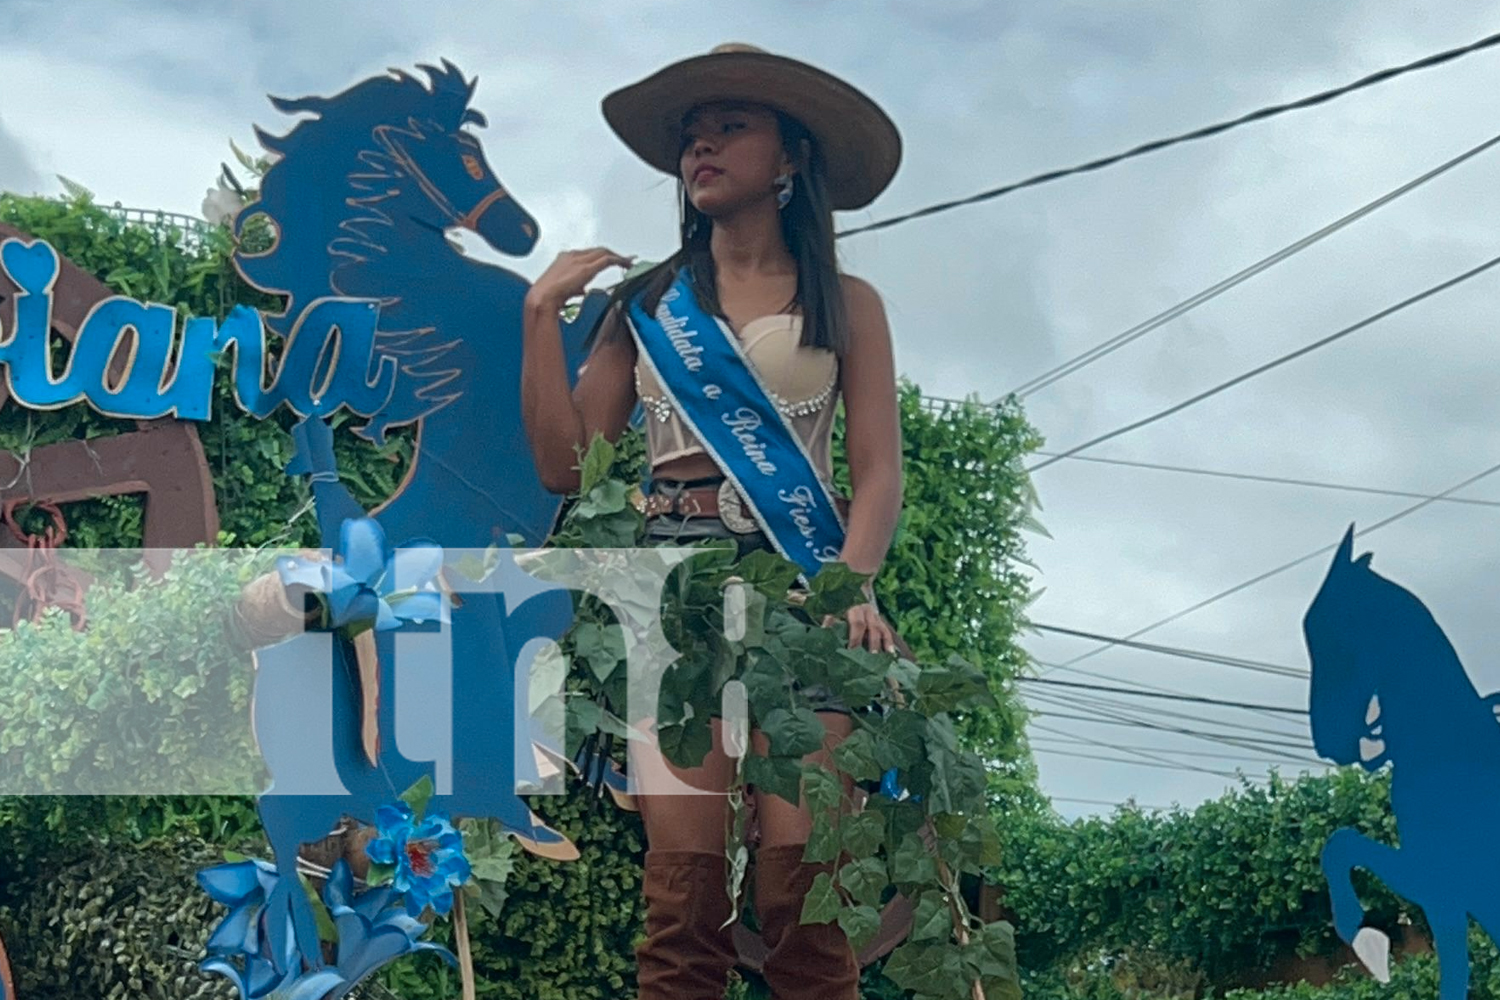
{"x":570,"y":273}
{"x":867,"y":628}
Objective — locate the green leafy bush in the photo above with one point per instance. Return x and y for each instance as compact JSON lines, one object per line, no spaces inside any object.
{"x":1224,"y":889}
{"x":120,"y":923}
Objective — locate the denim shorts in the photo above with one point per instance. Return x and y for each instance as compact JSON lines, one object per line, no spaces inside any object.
{"x":677,"y":529}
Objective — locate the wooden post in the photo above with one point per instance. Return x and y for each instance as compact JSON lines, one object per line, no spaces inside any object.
{"x":461,"y":937}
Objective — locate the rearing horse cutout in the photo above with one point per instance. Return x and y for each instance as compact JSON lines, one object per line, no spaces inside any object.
{"x":1387,"y":687}
{"x":360,"y":197}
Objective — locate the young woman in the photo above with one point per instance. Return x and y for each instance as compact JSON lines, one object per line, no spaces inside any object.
{"x":739,"y":345}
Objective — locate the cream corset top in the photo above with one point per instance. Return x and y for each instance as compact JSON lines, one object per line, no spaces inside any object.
{"x":802,"y":383}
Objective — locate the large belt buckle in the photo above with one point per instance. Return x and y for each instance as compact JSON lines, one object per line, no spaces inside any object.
{"x":732,"y":510}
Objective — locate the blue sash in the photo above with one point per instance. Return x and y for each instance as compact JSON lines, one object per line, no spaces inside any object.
{"x":698,"y":362}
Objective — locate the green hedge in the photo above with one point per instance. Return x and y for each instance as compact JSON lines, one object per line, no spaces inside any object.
{"x":1223,"y":890}
{"x":122,"y":923}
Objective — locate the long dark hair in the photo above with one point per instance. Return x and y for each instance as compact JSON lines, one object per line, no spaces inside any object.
{"x":807,"y":227}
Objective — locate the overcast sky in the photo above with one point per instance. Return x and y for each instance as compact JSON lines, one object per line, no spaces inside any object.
{"x":138,"y":101}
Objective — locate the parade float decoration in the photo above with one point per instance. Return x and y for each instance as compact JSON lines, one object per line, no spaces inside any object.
{"x":1388,"y":688}
{"x":403,"y":702}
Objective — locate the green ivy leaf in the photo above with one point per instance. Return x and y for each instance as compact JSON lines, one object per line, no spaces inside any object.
{"x":781,"y":776}
{"x":603,"y":646}
{"x":834,"y":589}
{"x":860,"y":924}
{"x":596,"y":463}
{"x":932,"y":919}
{"x":583,"y":716}
{"x":855,"y":756}
{"x":768,"y":572}
{"x":821,"y":788}
{"x":609,"y":497}
{"x":899,"y":740}
{"x":918,"y":965}
{"x":912,"y":864}
{"x":863,"y":879}
{"x":991,"y":955}
{"x":823,"y":842}
{"x":794,"y":732}
{"x":979,"y":845}
{"x":856,"y":675}
{"x":862,"y":834}
{"x":490,"y":895}
{"x":418,"y":795}
{"x":686,"y":743}
{"x":822,"y":903}
{"x":957,"y":686}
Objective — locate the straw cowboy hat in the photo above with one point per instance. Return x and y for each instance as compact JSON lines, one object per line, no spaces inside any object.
{"x":861,"y":146}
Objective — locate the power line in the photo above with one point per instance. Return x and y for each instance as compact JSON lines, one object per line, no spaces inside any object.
{"x":1147,"y":757}
{"x":1151,"y":759}
{"x":1121,"y":710}
{"x":1194,"y":699}
{"x":1103,"y":717}
{"x":1322,"y":550}
{"x":1156,"y":687}
{"x":1065,"y":738}
{"x":1206,"y":131}
{"x":1258,"y":666}
{"x":1118,"y":341}
{"x":1271,"y":712}
{"x":1278,"y":480}
{"x":1137,"y":763}
{"x":1274,"y":363}
{"x":1211,"y":738}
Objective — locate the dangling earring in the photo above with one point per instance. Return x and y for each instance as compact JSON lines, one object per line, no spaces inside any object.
{"x":783,"y":184}
{"x":692,"y":227}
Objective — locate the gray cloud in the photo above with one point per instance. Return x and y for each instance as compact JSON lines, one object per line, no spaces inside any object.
{"x":17,"y":173}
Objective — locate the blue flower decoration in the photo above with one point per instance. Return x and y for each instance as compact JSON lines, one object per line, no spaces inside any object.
{"x":428,"y":856}
{"x":372,"y":931}
{"x":891,"y":787}
{"x":369,"y":585}
{"x":243,"y":887}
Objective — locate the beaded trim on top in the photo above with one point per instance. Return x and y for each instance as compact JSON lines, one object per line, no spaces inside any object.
{"x":661,"y":408}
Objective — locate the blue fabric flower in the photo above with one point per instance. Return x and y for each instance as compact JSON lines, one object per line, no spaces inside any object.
{"x":428,"y":857}
{"x":372,"y":931}
{"x":369,"y":585}
{"x":891,"y":787}
{"x":242,"y":886}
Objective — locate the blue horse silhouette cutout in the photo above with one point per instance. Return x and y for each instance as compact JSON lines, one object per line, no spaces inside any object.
{"x":360,"y":196}
{"x":1387,"y":687}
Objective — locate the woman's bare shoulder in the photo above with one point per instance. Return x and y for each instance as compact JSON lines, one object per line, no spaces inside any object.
{"x":865,"y":307}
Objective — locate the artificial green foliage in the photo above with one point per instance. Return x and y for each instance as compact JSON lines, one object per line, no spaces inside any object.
{"x":1224,"y":890}
{"x":784,"y":646}
{"x":121,"y":923}
{"x":136,"y":701}
{"x":954,"y":581}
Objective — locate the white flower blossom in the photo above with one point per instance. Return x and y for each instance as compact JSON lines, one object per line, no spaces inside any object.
{"x":221,"y":204}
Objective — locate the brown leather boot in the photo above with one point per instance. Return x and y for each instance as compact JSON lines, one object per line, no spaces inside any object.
{"x":685,"y":956}
{"x":803,"y":961}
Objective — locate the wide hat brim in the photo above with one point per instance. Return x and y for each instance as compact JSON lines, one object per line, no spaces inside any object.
{"x":860,"y":144}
